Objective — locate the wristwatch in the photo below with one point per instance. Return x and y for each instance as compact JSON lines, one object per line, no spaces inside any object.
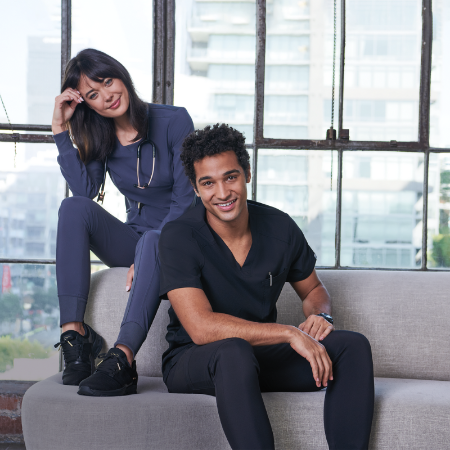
{"x":327,"y":317}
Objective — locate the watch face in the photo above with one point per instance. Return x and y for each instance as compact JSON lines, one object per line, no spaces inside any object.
{"x":326,"y":317}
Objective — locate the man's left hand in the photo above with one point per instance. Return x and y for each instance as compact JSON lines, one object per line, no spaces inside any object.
{"x":317,"y":327}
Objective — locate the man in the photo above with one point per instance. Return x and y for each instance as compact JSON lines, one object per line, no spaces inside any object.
{"x":223,"y":266}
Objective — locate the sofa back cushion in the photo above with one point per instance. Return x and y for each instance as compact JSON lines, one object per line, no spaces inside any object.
{"x":403,"y":314}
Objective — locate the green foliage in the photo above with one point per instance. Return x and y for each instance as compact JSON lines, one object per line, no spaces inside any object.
{"x":445,"y":177}
{"x":10,"y":307}
{"x":441,"y":250}
{"x":19,"y":348}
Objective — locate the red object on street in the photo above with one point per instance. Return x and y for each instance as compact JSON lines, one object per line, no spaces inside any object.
{"x":6,"y":279}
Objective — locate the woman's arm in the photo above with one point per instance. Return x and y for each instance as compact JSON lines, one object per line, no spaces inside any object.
{"x":83,"y":180}
{"x":182,"y":192}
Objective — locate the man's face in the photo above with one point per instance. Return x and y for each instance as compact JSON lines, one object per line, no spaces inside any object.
{"x":221,"y":184}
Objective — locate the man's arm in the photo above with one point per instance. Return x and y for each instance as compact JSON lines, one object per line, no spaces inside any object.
{"x":316,"y":300}
{"x":205,"y":326}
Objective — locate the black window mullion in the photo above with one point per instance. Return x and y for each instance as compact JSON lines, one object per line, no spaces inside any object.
{"x":338,"y":210}
{"x":426,"y":164}
{"x":260,"y":67}
{"x":341,"y":70}
{"x":159,"y":14}
{"x":169,"y":52}
{"x":66,"y":48}
{"x":425,"y":74}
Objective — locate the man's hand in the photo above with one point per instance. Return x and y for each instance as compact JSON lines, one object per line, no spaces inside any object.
{"x":315,"y":353}
{"x":130,"y":276}
{"x":317,"y":327}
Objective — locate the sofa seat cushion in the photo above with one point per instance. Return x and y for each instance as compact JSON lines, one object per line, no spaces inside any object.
{"x":409,"y":414}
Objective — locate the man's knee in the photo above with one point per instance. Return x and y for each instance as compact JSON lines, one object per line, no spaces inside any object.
{"x":353,"y":342}
{"x":236,"y":355}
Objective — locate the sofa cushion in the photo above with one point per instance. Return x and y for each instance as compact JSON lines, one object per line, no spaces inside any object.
{"x":413,"y":414}
{"x":403,"y":314}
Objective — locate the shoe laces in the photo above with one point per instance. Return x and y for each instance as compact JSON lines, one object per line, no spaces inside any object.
{"x":110,"y":363}
{"x":72,"y":348}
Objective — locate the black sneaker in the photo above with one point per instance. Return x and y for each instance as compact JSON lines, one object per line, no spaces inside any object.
{"x":79,"y":354}
{"x":113,"y":376}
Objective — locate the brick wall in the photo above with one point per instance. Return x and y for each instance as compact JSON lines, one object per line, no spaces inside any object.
{"x":11,"y":395}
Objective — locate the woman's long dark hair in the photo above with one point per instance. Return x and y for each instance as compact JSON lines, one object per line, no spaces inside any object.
{"x":93,"y":134}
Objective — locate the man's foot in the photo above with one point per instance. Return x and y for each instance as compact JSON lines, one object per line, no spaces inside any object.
{"x":79,"y":354}
{"x":113,"y":376}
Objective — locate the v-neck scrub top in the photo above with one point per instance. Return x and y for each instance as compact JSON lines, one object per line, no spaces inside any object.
{"x":192,"y":255}
{"x":170,"y":192}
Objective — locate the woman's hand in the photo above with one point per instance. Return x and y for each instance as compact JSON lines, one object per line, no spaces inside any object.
{"x":65,"y":105}
{"x":130,"y":276}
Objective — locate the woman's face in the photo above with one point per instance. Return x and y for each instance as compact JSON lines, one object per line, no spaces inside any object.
{"x":109,"y":98}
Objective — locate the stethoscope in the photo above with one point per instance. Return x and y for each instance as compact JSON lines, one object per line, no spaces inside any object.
{"x":101,"y":194}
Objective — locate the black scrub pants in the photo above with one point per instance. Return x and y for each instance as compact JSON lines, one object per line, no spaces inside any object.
{"x":84,"y":226}
{"x":236,"y":373}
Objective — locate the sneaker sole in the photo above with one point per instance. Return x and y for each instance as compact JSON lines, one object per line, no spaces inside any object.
{"x":126,"y":390}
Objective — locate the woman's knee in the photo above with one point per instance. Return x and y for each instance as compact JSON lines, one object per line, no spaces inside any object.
{"x":150,"y":239}
{"x":73,"y":207}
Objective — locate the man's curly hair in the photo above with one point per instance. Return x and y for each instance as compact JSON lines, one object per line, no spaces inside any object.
{"x":212,"y":141}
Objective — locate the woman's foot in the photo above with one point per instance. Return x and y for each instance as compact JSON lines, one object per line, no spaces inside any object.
{"x":79,"y":354}
{"x":113,"y":376}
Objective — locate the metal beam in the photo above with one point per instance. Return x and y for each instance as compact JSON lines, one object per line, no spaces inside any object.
{"x":158,"y":50}
{"x":27,"y":138}
{"x":340,"y":143}
{"x":169,"y":52}
{"x":341,"y":70}
{"x":425,"y":74}
{"x":426,"y":164}
{"x":66,"y":34}
{"x":260,"y":66}
{"x":337,"y":239}
{"x":25,"y":127}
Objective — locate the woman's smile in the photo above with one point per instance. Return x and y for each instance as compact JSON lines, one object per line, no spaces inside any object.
{"x":115,"y":105}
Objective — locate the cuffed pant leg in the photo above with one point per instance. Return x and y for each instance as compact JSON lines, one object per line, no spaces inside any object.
{"x":229,"y":370}
{"x":143,"y":302}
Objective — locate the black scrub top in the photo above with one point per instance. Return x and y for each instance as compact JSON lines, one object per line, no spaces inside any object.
{"x":193,"y":255}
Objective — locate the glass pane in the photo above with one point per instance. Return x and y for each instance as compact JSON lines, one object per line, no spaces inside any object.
{"x":30,"y":78}
{"x":382,"y":209}
{"x":440,"y":69}
{"x":29,"y":322}
{"x":299,"y":69}
{"x":302,"y":183}
{"x":215,"y":62}
{"x":439,"y":211}
{"x":124,"y":32}
{"x":31,"y":190}
{"x":382,"y":69}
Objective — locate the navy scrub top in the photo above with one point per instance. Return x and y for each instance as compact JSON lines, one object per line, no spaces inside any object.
{"x":170,"y":193}
{"x":193,"y":255}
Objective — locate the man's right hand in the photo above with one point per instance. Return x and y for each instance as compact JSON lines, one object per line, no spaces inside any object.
{"x":65,"y":105}
{"x":314,"y":352}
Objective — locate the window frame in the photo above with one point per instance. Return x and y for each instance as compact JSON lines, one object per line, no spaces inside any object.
{"x":163,"y":93}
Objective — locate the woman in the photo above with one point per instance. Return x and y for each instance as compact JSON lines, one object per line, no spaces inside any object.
{"x":138,"y":144}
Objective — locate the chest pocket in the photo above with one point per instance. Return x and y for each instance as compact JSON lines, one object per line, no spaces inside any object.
{"x":272,"y":287}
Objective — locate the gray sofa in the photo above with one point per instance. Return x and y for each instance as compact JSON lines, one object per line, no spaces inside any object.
{"x":405,"y":316}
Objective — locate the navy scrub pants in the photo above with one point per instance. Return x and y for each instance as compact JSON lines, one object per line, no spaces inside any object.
{"x":83,"y":226}
{"x":236,"y":373}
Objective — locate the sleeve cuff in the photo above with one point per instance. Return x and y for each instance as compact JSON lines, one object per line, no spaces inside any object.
{"x":179,"y":285}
